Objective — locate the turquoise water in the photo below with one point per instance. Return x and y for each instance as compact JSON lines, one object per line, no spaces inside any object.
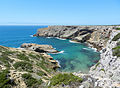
{"x":73,"y":56}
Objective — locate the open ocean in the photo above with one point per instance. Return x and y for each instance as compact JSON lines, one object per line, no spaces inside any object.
{"x":72,"y":56}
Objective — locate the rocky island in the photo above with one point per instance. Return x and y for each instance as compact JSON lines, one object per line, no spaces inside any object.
{"x":31,"y":67}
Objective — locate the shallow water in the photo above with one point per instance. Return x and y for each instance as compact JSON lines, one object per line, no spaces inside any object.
{"x":73,"y":56}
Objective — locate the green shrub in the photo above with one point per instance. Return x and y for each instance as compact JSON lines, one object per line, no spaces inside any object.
{"x":41,"y":73}
{"x":96,"y":65}
{"x":116,"y":51}
{"x":117,"y":28}
{"x":5,"y":82}
{"x":45,"y":65}
{"x":30,"y":81}
{"x":116,"y":37}
{"x":23,"y":66}
{"x":102,"y":70}
{"x":22,"y":57}
{"x":64,"y":79}
{"x":5,"y":60}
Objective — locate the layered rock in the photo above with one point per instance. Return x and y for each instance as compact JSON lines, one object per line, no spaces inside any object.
{"x":39,"y":48}
{"x":106,"y":73}
{"x":95,"y":35}
{"x":107,"y":70}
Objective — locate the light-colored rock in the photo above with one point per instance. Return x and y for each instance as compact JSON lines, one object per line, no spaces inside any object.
{"x":39,"y":48}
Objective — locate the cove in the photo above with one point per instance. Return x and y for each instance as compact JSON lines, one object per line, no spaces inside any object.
{"x":73,"y":57}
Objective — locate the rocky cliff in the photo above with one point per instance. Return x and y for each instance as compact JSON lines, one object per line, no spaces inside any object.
{"x":94,"y":35}
{"x":106,"y":73}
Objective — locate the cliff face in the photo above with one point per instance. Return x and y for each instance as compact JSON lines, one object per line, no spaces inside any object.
{"x":95,"y":35}
{"x":107,"y":70}
{"x":106,"y":73}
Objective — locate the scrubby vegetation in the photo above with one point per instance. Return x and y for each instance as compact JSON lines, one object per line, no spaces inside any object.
{"x":37,"y":67}
{"x":96,"y":65}
{"x":116,"y":37}
{"x":22,"y":57}
{"x":41,"y":73}
{"x":116,"y":51}
{"x":30,"y":81}
{"x":65,"y":79}
{"x":5,"y":82}
{"x":45,"y":65}
{"x":102,"y":70}
{"x":23,"y":66}
{"x":117,"y":28}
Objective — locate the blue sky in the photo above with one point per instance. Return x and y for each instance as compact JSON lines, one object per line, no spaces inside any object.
{"x":60,"y":12}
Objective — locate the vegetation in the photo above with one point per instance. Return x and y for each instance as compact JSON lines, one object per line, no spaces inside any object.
{"x":5,"y":60}
{"x":23,"y":66}
{"x":64,"y":79}
{"x":30,"y":81}
{"x":96,"y":65}
{"x":116,"y":51}
{"x":45,"y":65}
{"x":117,"y":28}
{"x":22,"y":57}
{"x":103,"y":70}
{"x":41,"y":73}
{"x":116,"y":37}
{"x":5,"y":82}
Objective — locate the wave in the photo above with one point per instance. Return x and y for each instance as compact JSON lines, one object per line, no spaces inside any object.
{"x":94,"y":49}
{"x":31,"y":35}
{"x":58,"y":63}
{"x":87,"y":48}
{"x":60,"y":38}
{"x":49,"y":37}
{"x":59,"y":52}
{"x":73,"y":41}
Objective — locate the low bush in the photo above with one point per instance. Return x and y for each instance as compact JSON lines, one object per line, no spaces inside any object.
{"x":64,"y":79}
{"x":5,"y":82}
{"x":116,"y":37}
{"x":22,"y":57}
{"x":117,"y":28}
{"x":30,"y":81}
{"x":23,"y":66}
{"x":116,"y":51}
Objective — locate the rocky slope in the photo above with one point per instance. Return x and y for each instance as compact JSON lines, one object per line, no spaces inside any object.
{"x":21,"y":68}
{"x":106,"y":73}
{"x":27,"y":68}
{"x":95,"y":35}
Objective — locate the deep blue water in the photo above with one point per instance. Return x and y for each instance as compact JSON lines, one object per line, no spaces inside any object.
{"x":73,"y":56}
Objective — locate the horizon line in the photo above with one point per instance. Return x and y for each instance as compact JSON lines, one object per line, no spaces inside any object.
{"x":56,"y":24}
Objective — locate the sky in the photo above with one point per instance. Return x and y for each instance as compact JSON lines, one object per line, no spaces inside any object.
{"x":60,"y":12}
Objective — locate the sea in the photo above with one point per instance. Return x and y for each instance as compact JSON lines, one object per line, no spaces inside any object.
{"x":73,"y":56}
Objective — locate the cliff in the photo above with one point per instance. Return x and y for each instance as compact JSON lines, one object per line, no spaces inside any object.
{"x":105,"y":74}
{"x":94,"y":35}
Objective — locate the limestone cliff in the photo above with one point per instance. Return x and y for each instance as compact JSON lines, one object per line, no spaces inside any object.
{"x":106,"y":73}
{"x":95,"y":35}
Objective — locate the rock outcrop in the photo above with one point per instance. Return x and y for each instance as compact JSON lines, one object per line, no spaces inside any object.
{"x":39,"y":48}
{"x":94,"y":35}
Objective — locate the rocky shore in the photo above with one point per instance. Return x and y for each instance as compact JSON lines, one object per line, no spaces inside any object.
{"x":105,"y":74}
{"x":94,"y":35}
{"x":31,"y":67}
